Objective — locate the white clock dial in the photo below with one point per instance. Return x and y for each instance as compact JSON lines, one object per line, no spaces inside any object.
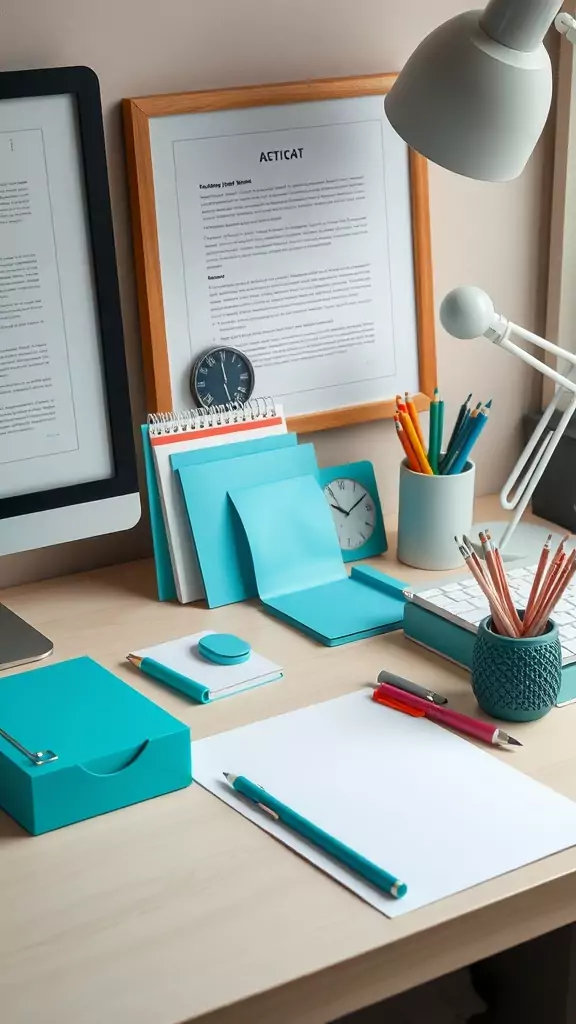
{"x":353,"y":511}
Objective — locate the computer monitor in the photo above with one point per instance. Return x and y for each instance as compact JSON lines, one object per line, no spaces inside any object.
{"x":67,"y":460}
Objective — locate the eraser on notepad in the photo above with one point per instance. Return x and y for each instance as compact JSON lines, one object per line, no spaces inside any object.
{"x":224,"y":649}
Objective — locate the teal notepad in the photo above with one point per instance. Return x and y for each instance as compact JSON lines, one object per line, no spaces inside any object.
{"x":298,"y":566}
{"x":223,"y":552}
{"x":114,"y":747}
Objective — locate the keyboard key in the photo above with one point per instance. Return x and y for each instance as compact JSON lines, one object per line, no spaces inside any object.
{"x":450,"y":588}
{"x":428,"y":595}
{"x":570,"y":646}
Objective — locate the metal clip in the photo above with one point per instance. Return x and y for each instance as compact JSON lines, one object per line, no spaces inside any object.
{"x":39,"y":757}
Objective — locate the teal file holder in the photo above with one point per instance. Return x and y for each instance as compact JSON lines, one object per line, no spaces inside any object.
{"x":456,"y":644}
{"x":298,"y":566}
{"x":114,"y":747}
{"x":221,"y":546}
{"x":164,"y":575}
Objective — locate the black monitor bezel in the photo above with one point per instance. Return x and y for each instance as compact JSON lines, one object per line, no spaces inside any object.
{"x":82,"y":84}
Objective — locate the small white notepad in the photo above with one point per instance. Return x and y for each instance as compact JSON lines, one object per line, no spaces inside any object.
{"x":220,"y":680}
{"x":423,"y":803}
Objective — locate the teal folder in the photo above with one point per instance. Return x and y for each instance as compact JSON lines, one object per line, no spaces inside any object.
{"x":221,"y":545}
{"x":114,"y":746}
{"x":298,"y":565}
{"x":216,"y":453}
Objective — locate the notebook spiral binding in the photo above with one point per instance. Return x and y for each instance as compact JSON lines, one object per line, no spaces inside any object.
{"x":253,"y":411}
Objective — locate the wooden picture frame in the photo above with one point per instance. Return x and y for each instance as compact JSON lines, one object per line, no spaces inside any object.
{"x":140,"y":112}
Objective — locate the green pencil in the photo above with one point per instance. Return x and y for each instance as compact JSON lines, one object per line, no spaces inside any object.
{"x":433,"y":435}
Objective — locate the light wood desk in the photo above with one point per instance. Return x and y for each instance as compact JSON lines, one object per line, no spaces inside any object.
{"x":179,"y":909}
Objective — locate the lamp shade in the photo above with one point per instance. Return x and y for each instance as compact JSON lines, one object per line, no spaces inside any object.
{"x":471,"y":103}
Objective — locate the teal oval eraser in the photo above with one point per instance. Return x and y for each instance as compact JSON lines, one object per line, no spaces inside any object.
{"x":224,"y":649}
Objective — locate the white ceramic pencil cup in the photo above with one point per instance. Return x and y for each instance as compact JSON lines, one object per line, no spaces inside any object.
{"x":432,"y":511}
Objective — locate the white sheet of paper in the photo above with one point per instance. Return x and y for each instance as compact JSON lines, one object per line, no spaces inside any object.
{"x":182,"y":656}
{"x":285,"y":231}
{"x":421,"y":802}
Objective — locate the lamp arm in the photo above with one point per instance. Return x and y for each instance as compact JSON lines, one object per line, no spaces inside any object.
{"x":502,"y":338}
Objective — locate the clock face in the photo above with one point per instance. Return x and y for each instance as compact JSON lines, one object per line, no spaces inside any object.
{"x":353,"y":512}
{"x":222,"y":376}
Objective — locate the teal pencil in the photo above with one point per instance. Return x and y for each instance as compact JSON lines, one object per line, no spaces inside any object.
{"x":439,"y":434}
{"x":478,"y":424}
{"x":462,"y":412}
{"x":460,"y":440}
{"x":360,"y":865}
{"x":433,"y":435}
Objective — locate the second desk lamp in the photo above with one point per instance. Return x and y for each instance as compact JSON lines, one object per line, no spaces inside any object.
{"x":474,"y":97}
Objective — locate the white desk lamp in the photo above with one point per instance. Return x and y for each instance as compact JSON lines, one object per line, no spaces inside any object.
{"x":468,"y":312}
{"x":474,"y":97}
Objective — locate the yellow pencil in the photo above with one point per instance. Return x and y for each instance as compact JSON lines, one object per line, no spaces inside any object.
{"x":413,"y":412}
{"x":417,"y":447}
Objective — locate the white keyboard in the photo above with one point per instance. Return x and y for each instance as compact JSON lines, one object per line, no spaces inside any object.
{"x":462,"y":602}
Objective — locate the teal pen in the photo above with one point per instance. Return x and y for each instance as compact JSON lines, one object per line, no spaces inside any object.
{"x":170,"y":678}
{"x":318,"y":837}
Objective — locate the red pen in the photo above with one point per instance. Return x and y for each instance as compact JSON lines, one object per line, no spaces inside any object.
{"x":400,"y":700}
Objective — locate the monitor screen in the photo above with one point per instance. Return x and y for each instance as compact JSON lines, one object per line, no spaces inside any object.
{"x":65,"y":425}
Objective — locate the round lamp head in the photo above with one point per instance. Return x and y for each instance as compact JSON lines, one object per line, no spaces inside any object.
{"x":470,"y":103}
{"x":467,"y":312}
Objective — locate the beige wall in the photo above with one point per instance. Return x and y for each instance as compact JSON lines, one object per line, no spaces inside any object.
{"x":482,"y":234}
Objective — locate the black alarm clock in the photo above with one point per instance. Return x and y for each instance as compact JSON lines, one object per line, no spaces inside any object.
{"x":222,"y":376}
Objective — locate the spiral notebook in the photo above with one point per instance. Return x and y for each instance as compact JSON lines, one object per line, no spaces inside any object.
{"x":258,"y":423}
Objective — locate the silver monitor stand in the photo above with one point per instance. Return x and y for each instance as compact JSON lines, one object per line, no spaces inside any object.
{"x":19,"y":642}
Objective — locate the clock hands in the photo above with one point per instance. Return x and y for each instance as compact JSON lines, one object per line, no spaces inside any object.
{"x":225,"y":377}
{"x":338,"y":509}
{"x":357,"y":503}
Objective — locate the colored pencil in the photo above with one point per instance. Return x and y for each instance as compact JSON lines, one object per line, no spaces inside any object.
{"x":459,"y":420}
{"x":413,"y":414}
{"x":433,"y":433}
{"x":542,"y":562}
{"x":413,"y":463}
{"x":415,"y":443}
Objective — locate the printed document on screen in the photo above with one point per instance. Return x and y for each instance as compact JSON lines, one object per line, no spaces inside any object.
{"x":53,"y":421}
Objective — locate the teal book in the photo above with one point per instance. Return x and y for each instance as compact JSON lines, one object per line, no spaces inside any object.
{"x":189,"y":438}
{"x":298,"y":566}
{"x":221,"y":545}
{"x":113,"y":746}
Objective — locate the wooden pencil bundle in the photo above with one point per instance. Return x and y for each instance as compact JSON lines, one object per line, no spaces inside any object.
{"x":548,"y":587}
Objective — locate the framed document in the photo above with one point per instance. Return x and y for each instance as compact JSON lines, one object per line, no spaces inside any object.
{"x":291,"y":223}
{"x":67,"y":458}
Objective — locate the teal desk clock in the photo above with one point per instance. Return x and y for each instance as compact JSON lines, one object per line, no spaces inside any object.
{"x":352,"y":495}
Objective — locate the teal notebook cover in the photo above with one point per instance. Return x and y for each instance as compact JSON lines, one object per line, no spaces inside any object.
{"x":114,"y":746}
{"x":298,"y":565}
{"x":164,"y":574}
{"x":453,"y":642}
{"x":221,"y":545}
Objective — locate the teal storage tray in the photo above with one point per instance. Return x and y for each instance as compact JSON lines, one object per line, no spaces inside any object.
{"x":456,"y":644}
{"x":115,"y":747}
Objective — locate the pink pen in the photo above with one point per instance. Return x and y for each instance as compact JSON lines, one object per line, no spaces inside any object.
{"x":391,"y":696}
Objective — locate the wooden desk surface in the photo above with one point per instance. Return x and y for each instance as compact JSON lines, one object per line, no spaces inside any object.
{"x":179,"y":909}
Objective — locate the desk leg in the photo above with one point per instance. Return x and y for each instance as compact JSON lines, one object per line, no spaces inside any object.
{"x":534,"y":983}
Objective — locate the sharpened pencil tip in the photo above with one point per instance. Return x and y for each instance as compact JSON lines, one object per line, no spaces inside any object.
{"x":488,"y":404}
{"x":226,"y":775}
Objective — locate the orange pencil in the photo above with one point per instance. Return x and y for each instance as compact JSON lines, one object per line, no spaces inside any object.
{"x":409,"y":451}
{"x":413,"y":438}
{"x":413,"y":413}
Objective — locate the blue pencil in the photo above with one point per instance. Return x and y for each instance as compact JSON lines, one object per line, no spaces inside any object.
{"x":478,"y":424}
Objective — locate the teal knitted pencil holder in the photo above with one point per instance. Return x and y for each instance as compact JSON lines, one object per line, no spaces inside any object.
{"x":516,"y":680}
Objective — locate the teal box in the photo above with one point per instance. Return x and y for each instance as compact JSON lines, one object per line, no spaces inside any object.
{"x":456,"y":644}
{"x":114,"y":747}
